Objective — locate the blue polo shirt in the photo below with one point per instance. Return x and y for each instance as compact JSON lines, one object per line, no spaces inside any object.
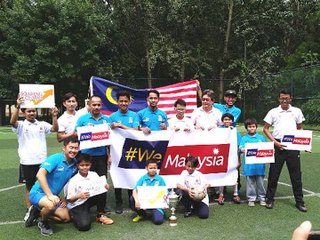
{"x":59,"y":173}
{"x":152,"y":119}
{"x":129,"y":119}
{"x":236,"y":112}
{"x":145,"y":180}
{"x":87,"y":120}
{"x":252,"y":169}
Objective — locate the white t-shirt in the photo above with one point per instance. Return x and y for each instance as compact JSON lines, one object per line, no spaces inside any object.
{"x":204,"y":119}
{"x":32,"y":147}
{"x":193,"y":180}
{"x":183,"y":123}
{"x":284,"y":120}
{"x":78,"y":184}
{"x":67,"y":122}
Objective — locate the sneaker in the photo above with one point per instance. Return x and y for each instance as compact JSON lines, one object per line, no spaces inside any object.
{"x":119,"y":210}
{"x":137,"y":218}
{"x":34,"y":213}
{"x":107,"y":211}
{"x":221,"y":200}
{"x":263,"y":203}
{"x":251,"y":204}
{"x":236,"y":199}
{"x":45,"y":228}
{"x":27,"y":213}
{"x":187,"y":214}
{"x":104,"y":220}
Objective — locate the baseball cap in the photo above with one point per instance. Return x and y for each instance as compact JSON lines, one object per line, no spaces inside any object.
{"x":230,"y":93}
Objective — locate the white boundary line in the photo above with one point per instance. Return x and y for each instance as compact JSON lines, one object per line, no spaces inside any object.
{"x":9,"y":188}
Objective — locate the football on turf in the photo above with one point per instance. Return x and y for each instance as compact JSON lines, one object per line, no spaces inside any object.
{"x":198,"y":193}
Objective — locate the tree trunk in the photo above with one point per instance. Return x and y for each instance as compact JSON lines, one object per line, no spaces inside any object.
{"x":225,"y":49}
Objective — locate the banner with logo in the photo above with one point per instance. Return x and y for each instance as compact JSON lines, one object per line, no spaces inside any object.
{"x":260,"y":152}
{"x":215,"y":149}
{"x":37,"y":95}
{"x":92,"y":136}
{"x":298,"y":140}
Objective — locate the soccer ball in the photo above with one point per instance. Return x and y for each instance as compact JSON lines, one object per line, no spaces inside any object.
{"x":198,"y":193}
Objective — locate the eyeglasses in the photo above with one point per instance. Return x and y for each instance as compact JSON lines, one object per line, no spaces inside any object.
{"x":284,"y":99}
{"x":180,"y":109}
{"x":206,"y":99}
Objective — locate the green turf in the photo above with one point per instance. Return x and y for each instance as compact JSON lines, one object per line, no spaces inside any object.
{"x":225,"y":222}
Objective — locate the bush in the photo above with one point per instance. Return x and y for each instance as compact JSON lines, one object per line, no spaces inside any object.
{"x":311,"y":111}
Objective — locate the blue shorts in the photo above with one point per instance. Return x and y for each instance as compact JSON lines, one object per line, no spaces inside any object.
{"x":35,"y":198}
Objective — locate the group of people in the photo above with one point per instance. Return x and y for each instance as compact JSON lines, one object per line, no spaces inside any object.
{"x":73,"y":169}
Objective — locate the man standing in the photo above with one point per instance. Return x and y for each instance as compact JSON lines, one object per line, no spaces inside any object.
{"x":68,"y":119}
{"x":32,"y":148}
{"x":152,"y":118}
{"x":284,"y":118}
{"x":206,"y":117}
{"x":230,"y":97}
{"x":100,"y":155}
{"x":125,"y":119}
{"x":53,"y":174}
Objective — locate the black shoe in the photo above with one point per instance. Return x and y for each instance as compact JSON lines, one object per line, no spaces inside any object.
{"x":301,"y":208}
{"x":187,"y":214}
{"x":33,"y":215}
{"x":107,"y":211}
{"x":269,"y":204}
{"x":119,"y":210}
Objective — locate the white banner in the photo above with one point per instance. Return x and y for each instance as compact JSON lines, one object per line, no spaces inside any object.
{"x":260,"y":152}
{"x":298,"y":140}
{"x":37,"y":95}
{"x":151,"y":197}
{"x":215,"y":149}
{"x":92,"y":136}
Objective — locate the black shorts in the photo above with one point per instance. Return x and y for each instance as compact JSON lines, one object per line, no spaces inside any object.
{"x":29,"y":173}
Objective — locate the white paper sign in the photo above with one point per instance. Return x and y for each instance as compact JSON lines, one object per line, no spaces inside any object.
{"x":298,"y":140}
{"x":96,"y":187}
{"x":151,"y":197}
{"x":94,"y":136}
{"x":37,"y":95}
{"x":260,"y":152}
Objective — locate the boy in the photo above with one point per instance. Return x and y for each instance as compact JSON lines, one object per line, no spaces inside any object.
{"x":53,"y":174}
{"x":149,"y":179}
{"x":32,"y":143}
{"x":253,"y":172}
{"x":189,"y":178}
{"x":180,"y":121}
{"x":227,"y":120}
{"x":79,"y":197}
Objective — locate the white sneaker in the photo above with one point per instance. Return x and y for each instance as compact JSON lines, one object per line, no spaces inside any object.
{"x":251,"y":204}
{"x":263,"y":203}
{"x":27,"y":213}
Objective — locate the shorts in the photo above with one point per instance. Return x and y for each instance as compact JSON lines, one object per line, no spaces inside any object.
{"x":35,"y":198}
{"x":29,"y":173}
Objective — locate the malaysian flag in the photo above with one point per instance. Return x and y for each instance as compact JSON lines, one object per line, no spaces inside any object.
{"x":107,"y":90}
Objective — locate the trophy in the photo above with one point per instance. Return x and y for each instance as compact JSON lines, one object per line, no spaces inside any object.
{"x":173,"y":200}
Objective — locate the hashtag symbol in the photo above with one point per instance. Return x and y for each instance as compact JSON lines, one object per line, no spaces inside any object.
{"x":131,"y":154}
